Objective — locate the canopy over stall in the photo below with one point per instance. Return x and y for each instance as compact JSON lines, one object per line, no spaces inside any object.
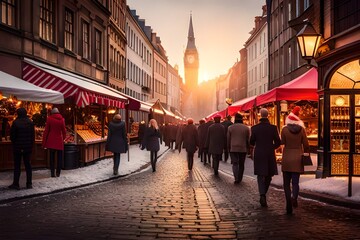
{"x":241,"y":105}
{"x":84,"y":91}
{"x":222,"y":113}
{"x":10,"y":85}
{"x":303,"y":87}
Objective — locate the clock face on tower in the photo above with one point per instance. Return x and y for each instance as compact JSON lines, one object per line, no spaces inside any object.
{"x":190,"y":58}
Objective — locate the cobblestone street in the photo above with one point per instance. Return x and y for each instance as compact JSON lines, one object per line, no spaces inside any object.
{"x":174,"y":203}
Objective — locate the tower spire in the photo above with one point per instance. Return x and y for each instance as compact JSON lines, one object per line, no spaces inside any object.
{"x":191,"y":37}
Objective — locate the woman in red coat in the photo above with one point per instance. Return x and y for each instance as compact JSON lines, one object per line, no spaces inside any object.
{"x":53,"y":139}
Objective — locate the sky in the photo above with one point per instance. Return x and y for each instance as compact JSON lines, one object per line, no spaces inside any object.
{"x":221,"y":28}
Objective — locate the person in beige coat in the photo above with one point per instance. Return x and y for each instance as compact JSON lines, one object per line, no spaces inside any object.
{"x":294,"y":139}
{"x":238,"y":136}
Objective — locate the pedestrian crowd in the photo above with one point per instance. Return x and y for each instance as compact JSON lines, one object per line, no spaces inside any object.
{"x":213,"y":140}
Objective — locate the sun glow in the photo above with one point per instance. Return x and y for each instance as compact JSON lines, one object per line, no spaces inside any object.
{"x":203,"y":76}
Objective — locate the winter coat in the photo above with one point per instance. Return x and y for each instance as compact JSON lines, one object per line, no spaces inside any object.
{"x":22,"y":134}
{"x":141,"y":132}
{"x":295,"y":142}
{"x":189,"y":138}
{"x":238,"y":136}
{"x":55,"y":132}
{"x":265,"y":138}
{"x":116,"y":141}
{"x":202,"y":130}
{"x":172,"y":132}
{"x":215,"y":139}
{"x":151,"y":139}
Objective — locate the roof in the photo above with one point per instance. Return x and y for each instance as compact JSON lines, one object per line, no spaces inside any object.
{"x":11,"y":85}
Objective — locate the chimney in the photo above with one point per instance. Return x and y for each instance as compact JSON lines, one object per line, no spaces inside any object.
{"x":257,"y":22}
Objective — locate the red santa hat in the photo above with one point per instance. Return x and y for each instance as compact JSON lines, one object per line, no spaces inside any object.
{"x":293,"y":117}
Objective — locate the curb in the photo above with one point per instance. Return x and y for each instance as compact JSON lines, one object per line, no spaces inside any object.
{"x":9,"y":200}
{"x":325,"y":198}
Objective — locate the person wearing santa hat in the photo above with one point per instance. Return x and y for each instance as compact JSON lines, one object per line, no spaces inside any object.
{"x":294,"y":139}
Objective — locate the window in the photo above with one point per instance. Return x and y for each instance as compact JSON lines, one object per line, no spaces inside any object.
{"x":297,"y":8}
{"x":85,"y":40}
{"x":306,"y":4}
{"x":47,"y":20}
{"x":7,"y":13}
{"x":289,"y":11}
{"x":289,"y":59}
{"x":69,"y":29}
{"x":98,"y":47}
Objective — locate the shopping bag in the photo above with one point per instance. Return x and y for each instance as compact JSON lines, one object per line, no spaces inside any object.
{"x":306,"y":160}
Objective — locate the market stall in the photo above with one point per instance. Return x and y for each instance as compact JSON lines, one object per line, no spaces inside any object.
{"x":89,"y":107}
{"x":15,"y":93}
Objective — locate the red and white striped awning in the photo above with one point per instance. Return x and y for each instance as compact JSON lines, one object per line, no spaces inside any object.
{"x":84,"y":91}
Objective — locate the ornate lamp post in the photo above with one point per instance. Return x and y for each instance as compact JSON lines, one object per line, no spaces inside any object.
{"x":308,"y":40}
{"x":229,"y":102}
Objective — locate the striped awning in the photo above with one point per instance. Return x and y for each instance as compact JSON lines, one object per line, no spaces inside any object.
{"x":82,"y":90}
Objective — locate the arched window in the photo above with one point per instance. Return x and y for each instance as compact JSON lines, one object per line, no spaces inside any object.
{"x":347,"y":76}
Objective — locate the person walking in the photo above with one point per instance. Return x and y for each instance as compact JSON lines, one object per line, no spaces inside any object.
{"x":141,"y":132}
{"x":207,"y":155}
{"x":226,"y":123}
{"x":238,"y":144}
{"x":22,"y":136}
{"x":151,"y":142}
{"x":265,"y":139}
{"x":116,"y":141}
{"x":53,"y":139}
{"x":189,"y":138}
{"x":296,"y":144}
{"x":202,"y":138}
{"x":215,"y":142}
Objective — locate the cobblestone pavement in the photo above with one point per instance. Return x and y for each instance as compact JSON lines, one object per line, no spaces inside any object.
{"x":174,"y":203}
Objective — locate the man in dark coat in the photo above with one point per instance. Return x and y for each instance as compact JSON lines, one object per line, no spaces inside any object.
{"x":226,"y":124}
{"x":116,"y":141}
{"x":173,"y":128}
{"x":215,"y":142}
{"x":141,"y":132}
{"x":189,"y":137}
{"x":202,"y":138}
{"x":207,"y":155}
{"x":265,"y":139}
{"x":22,"y":135}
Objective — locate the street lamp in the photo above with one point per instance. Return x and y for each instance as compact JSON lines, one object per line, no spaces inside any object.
{"x":308,"y":40}
{"x":229,"y":102}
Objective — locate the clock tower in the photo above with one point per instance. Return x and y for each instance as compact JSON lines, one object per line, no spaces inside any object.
{"x":191,"y":60}
{"x":191,"y":71}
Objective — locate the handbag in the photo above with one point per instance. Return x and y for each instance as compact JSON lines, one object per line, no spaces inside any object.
{"x":306,"y":160}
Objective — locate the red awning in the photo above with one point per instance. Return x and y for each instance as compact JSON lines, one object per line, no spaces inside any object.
{"x":303,"y":87}
{"x":84,"y":91}
{"x":222,"y":113}
{"x":241,"y":105}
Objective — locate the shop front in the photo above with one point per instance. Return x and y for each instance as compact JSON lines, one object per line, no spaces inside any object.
{"x":339,"y":139}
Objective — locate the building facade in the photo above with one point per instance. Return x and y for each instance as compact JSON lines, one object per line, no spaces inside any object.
{"x":338,"y":62}
{"x":257,"y":59}
{"x":173,"y":89}
{"x":139,"y":74}
{"x":285,"y":62}
{"x":117,"y":45}
{"x":238,"y":79}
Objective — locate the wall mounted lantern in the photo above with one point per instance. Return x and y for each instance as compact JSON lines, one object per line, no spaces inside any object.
{"x":308,"y":40}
